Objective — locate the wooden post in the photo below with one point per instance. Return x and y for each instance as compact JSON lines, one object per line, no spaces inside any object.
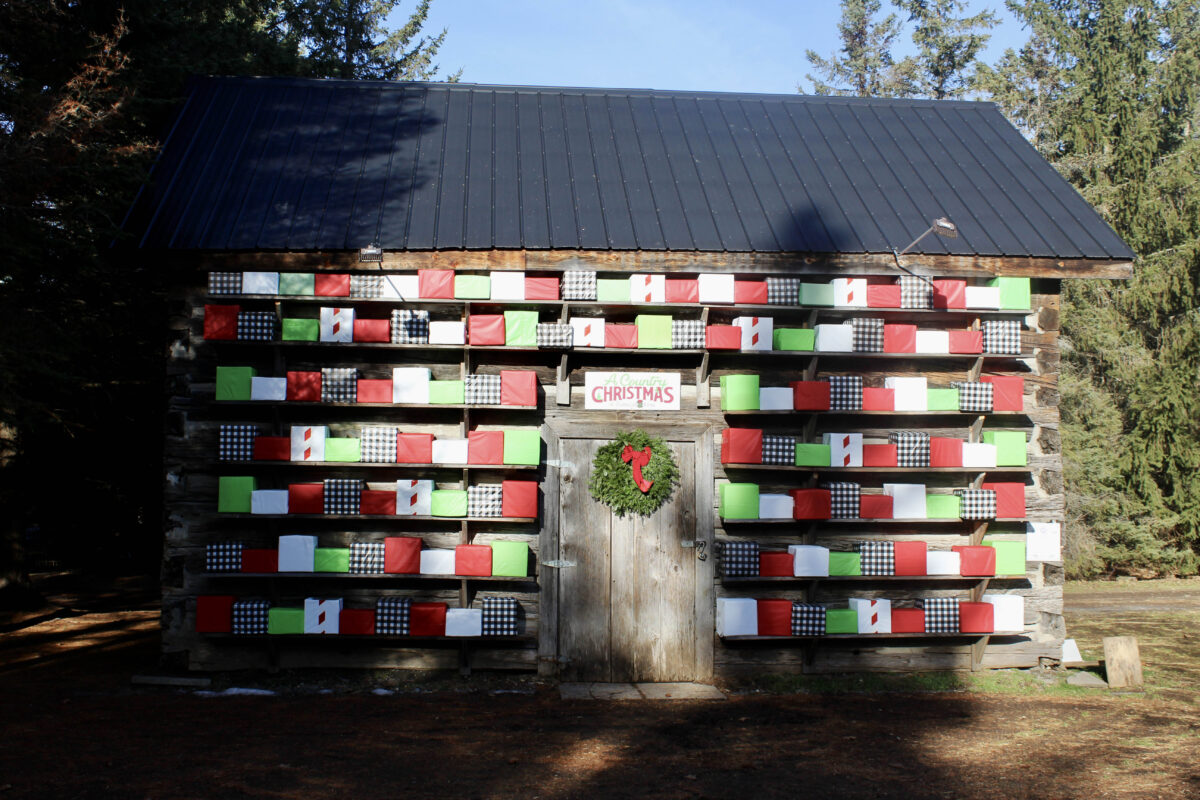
{"x":1122,"y":663}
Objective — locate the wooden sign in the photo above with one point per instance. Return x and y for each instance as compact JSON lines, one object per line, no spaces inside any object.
{"x":650,"y":391}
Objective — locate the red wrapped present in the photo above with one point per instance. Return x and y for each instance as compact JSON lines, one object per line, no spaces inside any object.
{"x":620,"y":336}
{"x":435,"y":284}
{"x":741,"y":446}
{"x":377,"y":502}
{"x":272,"y":448}
{"x":518,"y":387}
{"x":331,"y":285}
{"x":304,"y":387}
{"x":909,"y":557}
{"x":945,"y":452}
{"x":356,"y":622}
{"x":975,"y":560}
{"x":214,"y":613}
{"x":682,"y":290}
{"x":473,"y":560}
{"x":306,"y":498}
{"x":374,"y":390}
{"x":414,"y":448}
{"x":402,"y":555}
{"x":519,"y":499}
{"x":1010,"y":499}
{"x":260,"y":562}
{"x":485,"y":447}
{"x":485,"y":329}
{"x":883,"y":295}
{"x":976,"y":617}
{"x":427,"y":619}
{"x":899,"y":338}
{"x":775,"y":616}
{"x":877,"y":399}
{"x":949,"y":294}
{"x":908,"y":620}
{"x":775,"y":565}
{"x":1008,"y":392}
{"x":541,"y":288}
{"x":723,"y":337}
{"x":880,"y":455}
{"x":966,"y":342}
{"x":372,"y":330}
{"x":810,"y":395}
{"x":812,"y":503}
{"x":875,"y":506}
{"x":220,"y":322}
{"x":750,"y":293}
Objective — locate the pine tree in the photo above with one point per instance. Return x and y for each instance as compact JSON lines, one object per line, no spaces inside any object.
{"x":864,"y":65}
{"x":947,"y":45}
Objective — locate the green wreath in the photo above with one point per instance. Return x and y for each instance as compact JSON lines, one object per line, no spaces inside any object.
{"x":612,"y":481}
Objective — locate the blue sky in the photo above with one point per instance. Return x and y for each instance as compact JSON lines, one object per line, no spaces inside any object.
{"x":717,"y":45}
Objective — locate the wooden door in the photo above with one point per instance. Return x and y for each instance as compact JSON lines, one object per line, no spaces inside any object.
{"x":627,"y":606}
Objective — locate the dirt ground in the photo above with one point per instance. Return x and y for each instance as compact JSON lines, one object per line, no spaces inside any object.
{"x":73,"y":726}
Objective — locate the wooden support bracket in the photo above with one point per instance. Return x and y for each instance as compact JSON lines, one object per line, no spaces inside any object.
{"x":975,"y":431}
{"x":978,"y":534}
{"x":977,"y":481}
{"x":978,"y":590}
{"x":976,"y":370}
{"x":810,"y":372}
{"x":562,"y":386}
{"x":703,"y":390}
{"x":977,"y":650}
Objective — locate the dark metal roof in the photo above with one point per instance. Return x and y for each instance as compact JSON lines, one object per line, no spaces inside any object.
{"x":288,"y":164}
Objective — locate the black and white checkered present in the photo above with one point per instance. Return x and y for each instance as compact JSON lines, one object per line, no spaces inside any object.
{"x":878,"y":558}
{"x":250,"y":617}
{"x":378,"y":445}
{"x":579,"y":285}
{"x":223,"y":557}
{"x":941,"y":614}
{"x":739,"y":559}
{"x":783,"y":291}
{"x":843,"y":499}
{"x":484,"y":390}
{"x":236,"y":442}
{"x":224,"y":283}
{"x":366,"y":286}
{"x":808,"y":619}
{"x":845,"y":392}
{"x":915,"y":292}
{"x":977,"y":503}
{"x":868,"y":334}
{"x":973,"y":396}
{"x":410,"y":326}
{"x":1002,"y":336}
{"x":392,"y":615}
{"x":687,"y":334}
{"x":366,"y":558}
{"x":256,"y":326}
{"x":778,"y":449}
{"x":343,"y":495}
{"x":484,"y":500}
{"x":339,"y":385}
{"x":553,"y":334}
{"x":502,"y":616}
{"x":912,"y":448}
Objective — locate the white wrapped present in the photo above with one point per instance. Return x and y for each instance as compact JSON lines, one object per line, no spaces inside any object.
{"x":449,"y":451}
{"x":464,"y":622}
{"x":414,"y":497}
{"x":943,"y":562}
{"x":849,"y":292}
{"x":809,"y":560}
{"x":411,"y":385}
{"x":776,"y":398}
{"x":717,"y":290}
{"x":322,"y":616}
{"x":297,"y":553}
{"x":337,"y":324}
{"x":267,"y":283}
{"x":911,"y":394}
{"x":1043,"y":541}
{"x":268,"y":388}
{"x":1008,"y":611}
{"x":835,"y":338}
{"x":587,"y":331}
{"x":874,"y":614}
{"x":437,"y":562}
{"x":908,"y":500}
{"x":401,"y":287}
{"x":775,"y":506}
{"x":757,"y":332}
{"x":983,"y":297}
{"x":933,"y":342}
{"x":269,"y":501}
{"x":845,"y":449}
{"x":447,"y":332}
{"x":737,"y":616}
{"x":508,"y":285}
{"x":648,"y":288}
{"x":308,"y":442}
{"x":979,"y":455}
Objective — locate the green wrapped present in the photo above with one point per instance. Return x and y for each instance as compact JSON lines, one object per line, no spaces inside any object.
{"x":816,"y":294}
{"x":510,"y":559}
{"x":297,"y":283}
{"x":285,"y":620}
{"x":843,"y":564}
{"x":348,"y":450}
{"x":522,"y":447}
{"x":1014,"y":293}
{"x":941,"y":399}
{"x":332,"y":559}
{"x":794,"y":339}
{"x":233,"y":494}
{"x":812,"y":455}
{"x":300,"y":330}
{"x":612,"y":290}
{"x":448,"y":503}
{"x":739,"y":392}
{"x":1010,"y":556}
{"x":472,"y":287}
{"x":447,"y":393}
{"x":738,"y":501}
{"x":943,"y":506}
{"x":520,"y":328}
{"x":1010,"y":447}
{"x":841,"y":620}
{"x":233,"y":383}
{"x":654,"y":331}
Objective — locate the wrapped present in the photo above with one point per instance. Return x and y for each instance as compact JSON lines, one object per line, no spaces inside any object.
{"x":648,"y":288}
{"x":393,"y":616}
{"x":974,"y":396}
{"x":409,"y":326}
{"x":883,"y":295}
{"x":681,"y":290}
{"x":653,"y":331}
{"x":331,"y":285}
{"x":410,"y":385}
{"x":775,"y":506}
{"x":301,"y":284}
{"x":793,"y":339}
{"x":812,"y":455}
{"x":941,"y":614}
{"x":402,"y":555}
{"x":224,"y":283}
{"x":874,"y":614}
{"x":911,"y":394}
{"x":943,"y":562}
{"x":779,"y":449}
{"x":306,"y":498}
{"x":250,"y":617}
{"x":579,"y":285}
{"x":978,"y":455}
{"x":908,"y":499}
{"x":899,"y":338}
{"x":845,"y":449}
{"x":502,"y":616}
{"x":522,"y":447}
{"x":374,"y":390}
{"x":1010,"y":556}
{"x":447,"y":393}
{"x":908,"y":620}
{"x":742,"y":446}
{"x":519,"y":499}
{"x":775,"y":565}
{"x":236,"y":442}
{"x":840,"y":620}
{"x":966,"y":342}
{"x":256,"y":326}
{"x":234,"y":383}
{"x":356,"y":622}
{"x":943,"y":506}
{"x":510,"y":559}
{"x":738,"y":500}
{"x":845,"y":392}
{"x":473,"y":560}
{"x":811,"y":503}
{"x":331,"y":559}
{"x":844,"y":565}
{"x":260,"y":283}
{"x":868,"y":334}
{"x":949,"y":294}
{"x":308,"y":442}
{"x":445,"y":331}
{"x":518,"y":387}
{"x":1008,"y":611}
{"x":975,"y":617}
{"x":223,"y":557}
{"x":737,"y":616}
{"x":297,"y":553}
{"x":910,"y":557}
{"x":337,"y":324}
{"x":875,"y":506}
{"x":876,"y":558}
{"x":485,"y":330}
{"x":1043,"y":541}
{"x":1014,"y":293}
{"x":541,"y":288}
{"x":933,"y":342}
{"x":750,"y":293}
{"x":756,"y":332}
{"x":322,"y":616}
{"x":485,"y":500}
{"x":450,"y":451}
{"x":342,"y":495}
{"x":1008,"y":392}
{"x":982,"y":297}
{"x":774,"y":617}
{"x":880,"y":455}
{"x":339,"y":385}
{"x":367,"y":558}
{"x":474,"y":287}
{"x":233,"y":494}
{"x":448,"y":503}
{"x":816,"y":294}
{"x":723,"y":337}
{"x":464,"y":622}
{"x":415,"y":448}
{"x":1002,"y":337}
{"x":808,"y":619}
{"x":915,"y":292}
{"x":437,"y":562}
{"x":912,"y":448}
{"x":809,"y":560}
{"x":587,"y":331}
{"x":976,"y":503}
{"x":739,"y":392}
{"x":941,"y":399}
{"x":620,"y":336}
{"x":220,"y":322}
{"x":482,"y":390}
{"x":377,"y":503}
{"x":849,"y":292}
{"x":520,"y":328}
{"x":268,"y":388}
{"x":269,"y":501}
{"x":687,"y":334}
{"x":612,"y":290}
{"x":555,"y":335}
{"x":783,"y":291}
{"x":834,"y":338}
{"x":368,"y":287}
{"x":485,"y":447}
{"x":945,"y":452}
{"x":811,"y":395}
{"x":976,"y":560}
{"x":435,"y":284}
{"x":214,"y":613}
{"x":372,"y":330}
{"x":715,"y":289}
{"x":293,"y":329}
{"x":1010,"y":447}
{"x":304,"y":387}
{"x":739,"y":559}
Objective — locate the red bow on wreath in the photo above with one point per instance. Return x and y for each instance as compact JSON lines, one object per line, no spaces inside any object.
{"x":639,"y":459}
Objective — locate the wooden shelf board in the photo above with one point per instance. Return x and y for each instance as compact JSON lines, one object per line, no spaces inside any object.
{"x":296,"y":404}
{"x":869,"y":636}
{"x":369,"y":638}
{"x":861,"y":413}
{"x":871,"y":578}
{"x":877,"y":470}
{"x":375,"y":465}
{"x":376,"y":517}
{"x":860,"y":521}
{"x":380,"y":576}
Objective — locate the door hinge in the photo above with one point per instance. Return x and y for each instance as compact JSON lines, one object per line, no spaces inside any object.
{"x":558,"y":563}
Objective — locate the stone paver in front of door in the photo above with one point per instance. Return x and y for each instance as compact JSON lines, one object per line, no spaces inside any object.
{"x":639,"y":691}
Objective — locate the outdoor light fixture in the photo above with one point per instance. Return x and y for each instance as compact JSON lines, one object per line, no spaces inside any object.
{"x":373,"y":252}
{"x":942,"y":227}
